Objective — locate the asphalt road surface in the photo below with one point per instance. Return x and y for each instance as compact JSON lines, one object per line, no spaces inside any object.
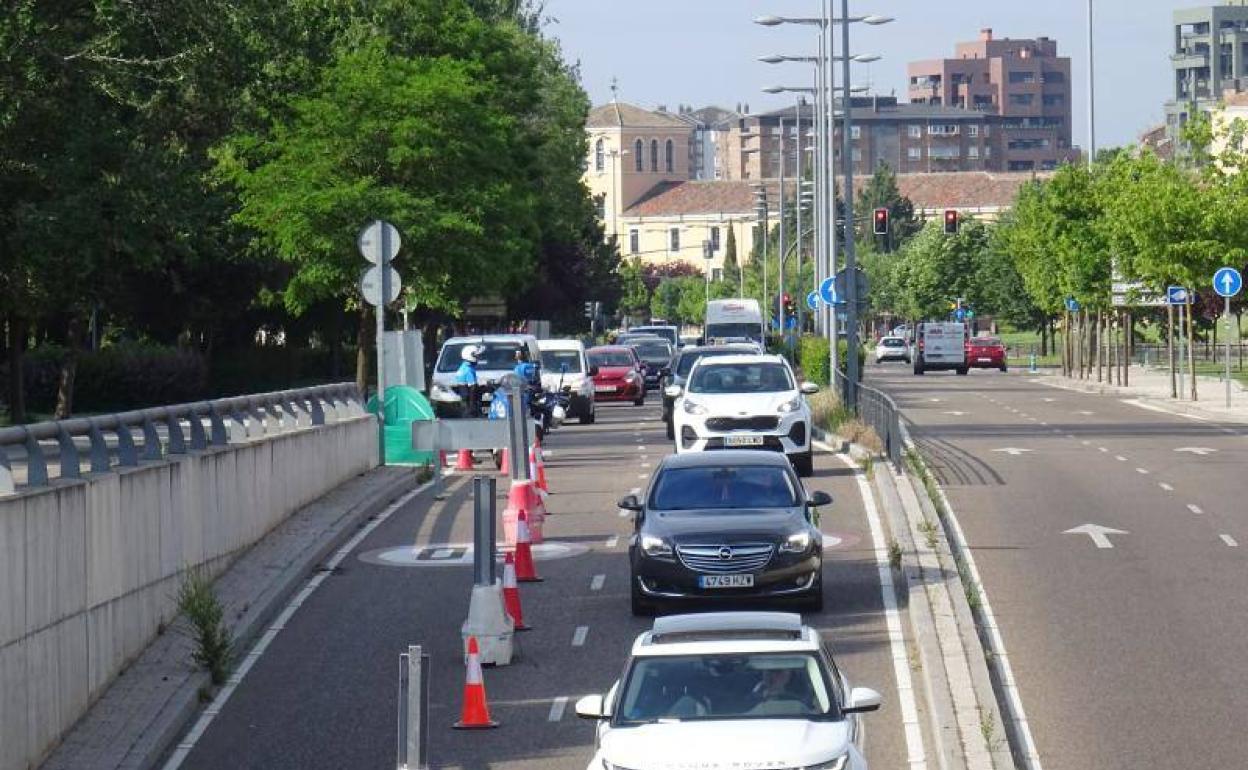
{"x":1130,"y":656}
{"x":323,"y":694}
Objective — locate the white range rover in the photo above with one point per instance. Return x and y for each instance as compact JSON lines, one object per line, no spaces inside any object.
{"x":748,"y":401}
{"x":730,"y":691}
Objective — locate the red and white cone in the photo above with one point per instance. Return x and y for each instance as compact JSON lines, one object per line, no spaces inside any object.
{"x":464,"y":461}
{"x":511,"y":594}
{"x":539,"y":467}
{"x":476,"y":712}
{"x":505,"y":466}
{"x":526,"y":571}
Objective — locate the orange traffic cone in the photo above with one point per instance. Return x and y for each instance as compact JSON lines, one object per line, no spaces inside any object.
{"x":476,"y":712}
{"x":505,"y":466}
{"x":441,"y":458}
{"x":526,"y":572}
{"x":539,"y":467}
{"x":511,"y":593}
{"x":464,"y":461}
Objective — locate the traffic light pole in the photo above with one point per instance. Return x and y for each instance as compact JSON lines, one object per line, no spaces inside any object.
{"x":851,"y":261}
{"x":780,"y":259}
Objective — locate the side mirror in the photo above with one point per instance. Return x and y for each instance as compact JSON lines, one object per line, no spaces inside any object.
{"x":861,"y":700}
{"x":672,"y":391}
{"x":563,"y":368}
{"x":818,"y":498}
{"x":590,"y":707}
{"x":593,"y":371}
{"x":809,"y":388}
{"x":630,"y":503}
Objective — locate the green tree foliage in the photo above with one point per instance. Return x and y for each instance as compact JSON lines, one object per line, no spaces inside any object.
{"x":881,"y":191}
{"x":934,"y":269}
{"x":732,"y":270}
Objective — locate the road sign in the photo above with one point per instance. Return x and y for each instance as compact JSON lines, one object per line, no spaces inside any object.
{"x":1227,"y":282}
{"x":370,"y":285}
{"x":376,"y":236}
{"x":812,"y":300}
{"x":827,"y":291}
{"x":861,"y":285}
{"x":1072,"y":304}
{"x":959,"y":314}
{"x":1178,"y":295}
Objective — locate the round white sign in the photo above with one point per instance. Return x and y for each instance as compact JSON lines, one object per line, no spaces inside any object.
{"x":378,"y":238}
{"x":370,"y":285}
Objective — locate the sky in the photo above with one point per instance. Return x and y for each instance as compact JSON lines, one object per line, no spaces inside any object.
{"x":703,"y":52}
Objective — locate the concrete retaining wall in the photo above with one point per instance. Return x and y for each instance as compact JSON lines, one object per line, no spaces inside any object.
{"x":89,"y":570}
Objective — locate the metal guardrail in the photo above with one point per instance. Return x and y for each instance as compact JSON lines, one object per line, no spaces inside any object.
{"x":878,"y":410}
{"x":277,"y":412}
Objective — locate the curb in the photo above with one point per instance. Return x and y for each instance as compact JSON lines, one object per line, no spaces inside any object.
{"x":1056,"y":380}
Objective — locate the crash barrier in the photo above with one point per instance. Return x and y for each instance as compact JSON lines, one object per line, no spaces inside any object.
{"x":878,"y":410}
{"x":91,"y":563}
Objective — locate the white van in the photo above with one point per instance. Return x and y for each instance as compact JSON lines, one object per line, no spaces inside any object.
{"x":564,"y":364}
{"x":939,"y":346}
{"x":497,"y":358}
{"x":733,"y":319}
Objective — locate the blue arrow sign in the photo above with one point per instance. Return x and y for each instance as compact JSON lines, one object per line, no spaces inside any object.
{"x":1227,"y":282}
{"x":827,"y":291}
{"x":1177,"y":295}
{"x":1072,"y":304}
{"x":812,"y":300}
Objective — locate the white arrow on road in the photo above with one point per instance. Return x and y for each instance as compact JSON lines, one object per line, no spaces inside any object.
{"x":1012,"y":451}
{"x":1196,"y":450}
{"x":1098,"y":533}
{"x":957,"y":414}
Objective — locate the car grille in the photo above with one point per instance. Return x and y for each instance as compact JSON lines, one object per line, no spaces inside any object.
{"x":762,"y":422}
{"x":746,"y":557}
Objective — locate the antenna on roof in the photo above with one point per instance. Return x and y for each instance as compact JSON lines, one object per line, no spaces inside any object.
{"x":615,"y":89}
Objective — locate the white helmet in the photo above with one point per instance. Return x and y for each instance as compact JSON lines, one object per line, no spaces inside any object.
{"x":470,"y":353}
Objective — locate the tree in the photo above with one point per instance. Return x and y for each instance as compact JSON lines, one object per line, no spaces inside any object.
{"x":935,"y":269}
{"x":731,"y":270}
{"x":881,"y":191}
{"x":634,"y":294}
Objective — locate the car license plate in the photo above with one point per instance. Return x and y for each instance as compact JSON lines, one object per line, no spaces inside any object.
{"x":985,"y":360}
{"x":743,"y":440}
{"x":726,"y":581}
{"x":604,"y":388}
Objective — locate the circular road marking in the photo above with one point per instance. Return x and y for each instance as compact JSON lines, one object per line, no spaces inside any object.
{"x":457,"y":554}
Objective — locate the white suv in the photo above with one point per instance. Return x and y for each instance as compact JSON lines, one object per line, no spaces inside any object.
{"x":730,"y":690}
{"x":745,"y":402}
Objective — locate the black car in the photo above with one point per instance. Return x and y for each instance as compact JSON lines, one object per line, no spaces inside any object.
{"x":725,"y":525}
{"x":656,"y":355}
{"x":683,"y":362}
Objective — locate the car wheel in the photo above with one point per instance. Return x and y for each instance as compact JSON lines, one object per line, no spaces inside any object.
{"x":641,"y":400}
{"x":641,"y":608}
{"x":804,"y":464}
{"x":964,"y":370}
{"x":814,"y":602}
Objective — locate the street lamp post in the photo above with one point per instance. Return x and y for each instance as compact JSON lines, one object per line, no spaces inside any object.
{"x":780,"y":257}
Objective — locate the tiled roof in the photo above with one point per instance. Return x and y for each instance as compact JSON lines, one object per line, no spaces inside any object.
{"x":961,"y":190}
{"x":623,"y":115}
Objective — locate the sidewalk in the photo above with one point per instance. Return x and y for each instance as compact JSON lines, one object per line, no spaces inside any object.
{"x":1151,"y":387}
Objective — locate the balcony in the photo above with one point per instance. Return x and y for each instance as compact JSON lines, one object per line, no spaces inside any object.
{"x":1189,"y":60}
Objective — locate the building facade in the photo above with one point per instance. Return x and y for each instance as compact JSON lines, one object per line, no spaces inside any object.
{"x":1022,"y":82}
{"x":1210,"y":57}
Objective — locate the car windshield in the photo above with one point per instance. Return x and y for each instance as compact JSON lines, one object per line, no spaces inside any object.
{"x":758,"y":377}
{"x":609,"y":358}
{"x":892,"y":342}
{"x":653,"y":350}
{"x":666,"y":332}
{"x":723,"y":487}
{"x":760,"y":685}
{"x":553,"y":360}
{"x":687,"y":360}
{"x":747,"y":330}
{"x":493,"y":355}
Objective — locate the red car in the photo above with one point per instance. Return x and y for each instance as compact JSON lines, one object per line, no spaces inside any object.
{"x":985,"y":353}
{"x":621,"y":375}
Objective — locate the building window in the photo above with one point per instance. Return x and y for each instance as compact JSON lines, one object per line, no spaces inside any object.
{"x":1022,"y":77}
{"x":601,"y":202}
{"x":669,"y":159}
{"x":634,"y":241}
{"x":972,"y":131}
{"x":1053,"y":100}
{"x":855,"y":132}
{"x":654,"y":156}
{"x":638,"y":160}
{"x":986,"y":130}
{"x":714,"y":239}
{"x":943,"y":129}
{"x":674,"y":238}
{"x":856,"y":154}
{"x":600,"y":160}
{"x":1022,"y":165}
{"x":1022,"y":100}
{"x":915,"y":131}
{"x":972,"y":152}
{"x":914,"y":153}
{"x":1053,"y":77}
{"x":987,"y":151}
{"x":717,"y":274}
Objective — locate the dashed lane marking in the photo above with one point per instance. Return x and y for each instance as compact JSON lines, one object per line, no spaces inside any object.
{"x":578,"y":636}
{"x":1120,"y":458}
{"x":1194,"y":508}
{"x":612,"y":541}
{"x":1165,"y":486}
{"x":1230,"y":541}
{"x":596,"y":583}
{"x":1142,"y":471}
{"x":557,"y":707}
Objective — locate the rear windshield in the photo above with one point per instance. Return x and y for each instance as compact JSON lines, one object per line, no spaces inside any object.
{"x":554,"y":360}
{"x":723,"y":486}
{"x":761,"y":377}
{"x":496,"y":355}
{"x":609,"y":358}
{"x":653,"y":351}
{"x":751,"y":330}
{"x":687,"y":360}
{"x":986,"y":342}
{"x":666,"y":332}
{"x":892,"y":342}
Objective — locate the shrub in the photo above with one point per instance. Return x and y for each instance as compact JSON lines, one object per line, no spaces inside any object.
{"x":128,"y":375}
{"x":842,"y":357}
{"x":813,"y":359}
{"x":206,"y":620}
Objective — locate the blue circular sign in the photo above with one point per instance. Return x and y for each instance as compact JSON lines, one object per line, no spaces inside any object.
{"x":827,"y":290}
{"x":812,"y":300}
{"x":1227,"y":282}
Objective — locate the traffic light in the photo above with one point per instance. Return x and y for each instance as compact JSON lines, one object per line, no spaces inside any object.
{"x":881,"y":221}
{"x":589,"y":309}
{"x":787,"y":299}
{"x":951,"y":221}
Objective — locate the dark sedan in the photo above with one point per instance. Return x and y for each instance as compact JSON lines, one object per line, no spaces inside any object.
{"x":725,"y":525}
{"x":656,"y":356}
{"x":683,"y":362}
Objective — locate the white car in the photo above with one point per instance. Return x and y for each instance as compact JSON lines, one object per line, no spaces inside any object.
{"x":730,"y":690}
{"x":892,"y":349}
{"x":746,"y":401}
{"x":564,"y":365}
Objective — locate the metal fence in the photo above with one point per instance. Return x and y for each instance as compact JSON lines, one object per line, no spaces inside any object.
{"x":160,"y":431}
{"x":878,"y":410}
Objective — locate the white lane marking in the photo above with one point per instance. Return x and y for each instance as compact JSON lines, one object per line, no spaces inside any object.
{"x":647,"y":465}
{"x":1142,"y":471}
{"x":1231,"y":431}
{"x":1165,"y":486}
{"x":642,"y":448}
{"x":1042,"y":422}
{"x":637,"y":490}
{"x":896,"y":638}
{"x":1070,"y":436}
{"x":578,"y":636}
{"x":1230,"y":541}
{"x":187,"y":744}
{"x":1013,"y":451}
{"x":1099,"y":533}
{"x":643,"y":475}
{"x":557,"y":707}
{"x":1154,"y":408}
{"x":1120,"y":458}
{"x":596,"y":583}
{"x":933,"y":400}
{"x":612,"y":541}
{"x":1196,"y":450}
{"x":1045,"y":400}
{"x":1102,"y":449}
{"x":1194,"y":508}
{"x":1085,"y":442}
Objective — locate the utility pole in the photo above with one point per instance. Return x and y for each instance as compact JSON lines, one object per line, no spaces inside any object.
{"x":780,"y":257}
{"x":851,"y":262}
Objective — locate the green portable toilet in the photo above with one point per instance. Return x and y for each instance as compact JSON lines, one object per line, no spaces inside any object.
{"x":404,"y":405}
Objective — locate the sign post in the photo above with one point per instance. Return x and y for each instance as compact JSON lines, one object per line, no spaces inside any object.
{"x":379,"y":243}
{"x":1228,"y":282}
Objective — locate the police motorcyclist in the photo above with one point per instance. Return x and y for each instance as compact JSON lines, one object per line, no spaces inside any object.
{"x":466,"y":380}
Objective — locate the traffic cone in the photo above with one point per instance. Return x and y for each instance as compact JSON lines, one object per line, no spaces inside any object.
{"x":505,"y":467}
{"x":539,"y":467}
{"x":526,"y":572}
{"x":441,"y":458}
{"x":464,"y":461}
{"x":476,"y":712}
{"x":511,"y":593}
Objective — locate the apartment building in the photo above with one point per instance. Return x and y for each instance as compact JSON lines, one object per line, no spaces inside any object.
{"x":1022,"y":82}
{"x":1210,"y":57}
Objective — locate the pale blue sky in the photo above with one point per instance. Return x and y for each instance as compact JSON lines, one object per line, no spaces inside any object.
{"x":704,"y":51}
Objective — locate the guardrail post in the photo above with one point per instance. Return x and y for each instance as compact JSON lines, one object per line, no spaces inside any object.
{"x":177,"y":446}
{"x":198,"y":439}
{"x":151,"y":441}
{"x":317,"y":413}
{"x":220,"y":435}
{"x":36,"y":467}
{"x":7,"y":485}
{"x":126,"y":454}
{"x":99,"y":449}
{"x":71,"y":465}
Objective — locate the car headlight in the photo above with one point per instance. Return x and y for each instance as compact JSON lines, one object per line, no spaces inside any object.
{"x":792,"y":405}
{"x":631,"y":376}
{"x":832,"y":764}
{"x":798,"y":542}
{"x":655,"y":546}
{"x":693,"y":407}
{"x":441,"y":393}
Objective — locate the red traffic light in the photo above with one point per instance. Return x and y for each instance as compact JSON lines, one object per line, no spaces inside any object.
{"x":881,"y":221}
{"x":951,"y":221}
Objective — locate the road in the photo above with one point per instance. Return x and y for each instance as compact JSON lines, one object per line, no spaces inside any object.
{"x":323,"y":693}
{"x":1127,"y":656}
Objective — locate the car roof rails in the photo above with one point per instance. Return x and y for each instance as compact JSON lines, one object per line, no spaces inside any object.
{"x":672,"y":628}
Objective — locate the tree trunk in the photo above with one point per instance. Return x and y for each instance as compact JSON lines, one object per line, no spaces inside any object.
{"x":1239,"y":339}
{"x":361,"y":349}
{"x":17,"y":368}
{"x":69,"y":370}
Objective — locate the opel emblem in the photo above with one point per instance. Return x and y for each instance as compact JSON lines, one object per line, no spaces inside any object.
{"x":725,"y":553}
